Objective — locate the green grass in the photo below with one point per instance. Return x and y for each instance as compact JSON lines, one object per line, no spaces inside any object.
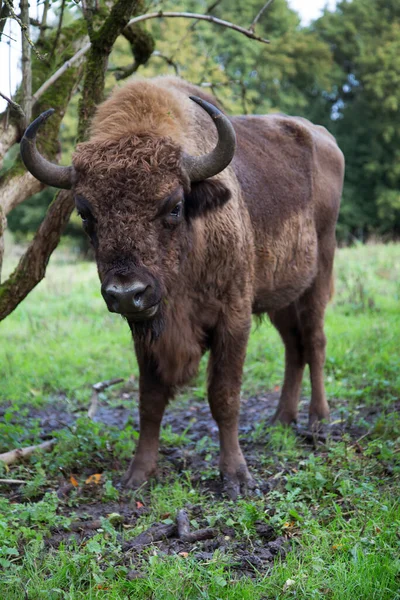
{"x":338,"y":507}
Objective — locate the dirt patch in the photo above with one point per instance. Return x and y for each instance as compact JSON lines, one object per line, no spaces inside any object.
{"x":189,"y":443}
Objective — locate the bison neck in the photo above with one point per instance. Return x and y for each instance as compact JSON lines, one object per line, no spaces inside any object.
{"x":213,"y":291}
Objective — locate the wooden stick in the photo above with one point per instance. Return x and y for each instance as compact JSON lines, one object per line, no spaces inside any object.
{"x":12,"y":481}
{"x":19,"y":453}
{"x":97,"y":388}
{"x":186,"y":535}
{"x":154,"y":534}
{"x":182,"y":521}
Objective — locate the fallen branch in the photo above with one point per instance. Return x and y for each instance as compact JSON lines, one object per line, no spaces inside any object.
{"x":97,"y":388}
{"x":14,"y":456}
{"x":201,"y":534}
{"x":182,"y":521}
{"x":12,"y":481}
{"x":186,"y":535}
{"x":159,"y":532}
{"x":155,"y":533}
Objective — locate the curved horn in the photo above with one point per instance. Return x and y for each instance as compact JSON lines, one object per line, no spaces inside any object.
{"x":41,"y":168}
{"x":199,"y":168}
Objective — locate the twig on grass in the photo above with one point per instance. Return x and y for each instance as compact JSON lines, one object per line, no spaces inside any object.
{"x":12,"y":481}
{"x":155,"y":533}
{"x":182,"y":521}
{"x":181,"y":529}
{"x":186,"y":535}
{"x":19,"y":453}
{"x":97,"y":388}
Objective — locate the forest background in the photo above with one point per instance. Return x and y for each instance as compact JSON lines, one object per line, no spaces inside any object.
{"x":341,"y":71}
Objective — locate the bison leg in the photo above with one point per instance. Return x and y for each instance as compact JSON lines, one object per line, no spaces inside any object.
{"x":287,"y":323}
{"x":312,"y":310}
{"x":225,"y":378}
{"x":154,"y":397}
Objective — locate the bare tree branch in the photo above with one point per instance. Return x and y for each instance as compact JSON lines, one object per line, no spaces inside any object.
{"x":43,"y":88}
{"x":258,"y":16}
{"x":138,"y":19}
{"x":15,"y":107}
{"x":60,"y":20}
{"x":43,"y":24}
{"x":8,"y":137}
{"x":26,"y":62}
{"x":16,"y":189}
{"x":9,"y":37}
{"x":192,"y":28}
{"x":4,"y":12}
{"x":24,"y":28}
{"x":188,"y":15}
{"x":168,"y":60}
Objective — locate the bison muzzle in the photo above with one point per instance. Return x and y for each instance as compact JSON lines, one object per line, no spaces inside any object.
{"x":198,"y":221}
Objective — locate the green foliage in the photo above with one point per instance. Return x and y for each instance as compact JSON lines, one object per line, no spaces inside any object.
{"x":325,"y":72}
{"x":364,"y":36}
{"x":337,"y":505}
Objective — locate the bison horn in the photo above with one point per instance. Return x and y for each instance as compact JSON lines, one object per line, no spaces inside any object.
{"x":42,"y":169}
{"x":199,"y":168}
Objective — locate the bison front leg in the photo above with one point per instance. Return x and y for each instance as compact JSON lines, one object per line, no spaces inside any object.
{"x":225,"y":378}
{"x":154,"y":396}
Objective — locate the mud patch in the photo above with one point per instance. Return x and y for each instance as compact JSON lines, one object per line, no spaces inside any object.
{"x":189,"y":445}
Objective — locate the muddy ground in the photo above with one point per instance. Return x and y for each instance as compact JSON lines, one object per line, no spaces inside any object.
{"x":247,"y":555}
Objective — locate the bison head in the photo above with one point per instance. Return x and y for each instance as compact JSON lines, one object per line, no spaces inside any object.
{"x":137,"y":196}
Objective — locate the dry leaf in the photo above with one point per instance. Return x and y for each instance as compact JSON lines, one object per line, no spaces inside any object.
{"x":139,"y":504}
{"x":288,"y":583}
{"x":183,"y":554}
{"x":289,"y":524}
{"x":95,"y":478}
{"x":337,"y":546}
{"x":73,"y":481}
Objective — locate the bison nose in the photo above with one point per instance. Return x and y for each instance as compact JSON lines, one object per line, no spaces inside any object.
{"x":127,"y":299}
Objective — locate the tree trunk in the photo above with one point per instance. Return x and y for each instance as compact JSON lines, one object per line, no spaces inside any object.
{"x":32,"y":266}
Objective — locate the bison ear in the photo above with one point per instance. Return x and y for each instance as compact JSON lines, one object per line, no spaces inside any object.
{"x":205,"y":196}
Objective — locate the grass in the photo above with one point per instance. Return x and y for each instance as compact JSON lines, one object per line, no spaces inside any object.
{"x":336,"y":506}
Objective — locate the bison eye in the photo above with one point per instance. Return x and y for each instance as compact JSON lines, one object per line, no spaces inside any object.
{"x":175,"y":216}
{"x":176,"y":211}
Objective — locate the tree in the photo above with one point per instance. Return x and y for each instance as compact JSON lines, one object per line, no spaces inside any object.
{"x":74,"y":52}
{"x":364,"y":36}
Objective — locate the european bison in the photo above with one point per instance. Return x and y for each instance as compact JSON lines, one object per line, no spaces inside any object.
{"x":188,"y":248}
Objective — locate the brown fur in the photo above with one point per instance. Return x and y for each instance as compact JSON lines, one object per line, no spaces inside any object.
{"x":259,"y":237}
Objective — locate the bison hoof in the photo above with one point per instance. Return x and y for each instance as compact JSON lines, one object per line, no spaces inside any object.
{"x":316,"y":422}
{"x":239,"y":484}
{"x":284,"y":417}
{"x":135,"y":477}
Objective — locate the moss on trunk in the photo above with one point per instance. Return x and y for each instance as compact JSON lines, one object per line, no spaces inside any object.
{"x":32,"y":266}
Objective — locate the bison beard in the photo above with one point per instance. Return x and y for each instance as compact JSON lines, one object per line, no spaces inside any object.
{"x":147,"y":332}
{"x":222,"y":242}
